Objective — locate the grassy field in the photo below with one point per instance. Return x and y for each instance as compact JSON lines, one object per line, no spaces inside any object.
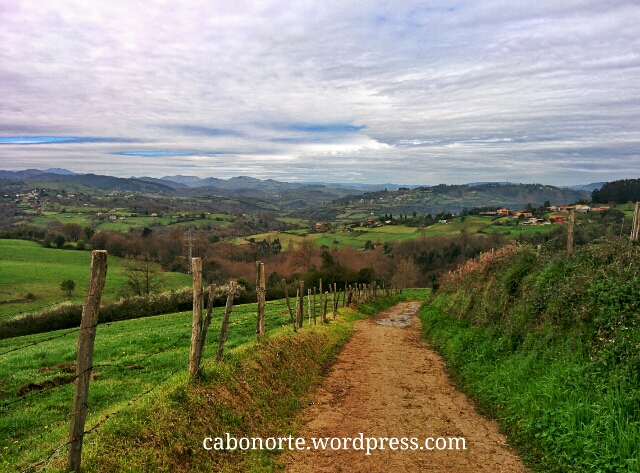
{"x":131,"y":357}
{"x":85,"y":216}
{"x":26,"y":267}
{"x":392,"y":233}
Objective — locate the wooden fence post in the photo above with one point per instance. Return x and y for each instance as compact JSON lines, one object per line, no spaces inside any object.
{"x":314,"y":306}
{"x":320,"y":293}
{"x":333,"y":302}
{"x":636,"y":223}
{"x":572,"y":220}
{"x":84,"y":364}
{"x":206,"y":322}
{"x":344,"y":299}
{"x":261,"y":292}
{"x":301,"y":314}
{"x":196,"y":324}
{"x":324,"y":309}
{"x":225,"y":320}
{"x":309,"y":305}
{"x":286,"y":296}
{"x":298,"y":308}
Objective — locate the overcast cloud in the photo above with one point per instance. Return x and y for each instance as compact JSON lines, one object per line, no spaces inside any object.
{"x":337,"y":91}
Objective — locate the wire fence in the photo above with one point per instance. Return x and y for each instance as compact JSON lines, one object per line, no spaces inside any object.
{"x":40,"y":341}
{"x":39,"y":389}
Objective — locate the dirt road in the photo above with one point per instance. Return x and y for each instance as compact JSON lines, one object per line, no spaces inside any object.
{"x":388,"y":383}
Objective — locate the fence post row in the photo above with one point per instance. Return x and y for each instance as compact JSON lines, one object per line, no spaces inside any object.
{"x":86,"y":340}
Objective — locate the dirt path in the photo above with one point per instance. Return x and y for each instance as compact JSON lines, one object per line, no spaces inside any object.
{"x":388,"y":383}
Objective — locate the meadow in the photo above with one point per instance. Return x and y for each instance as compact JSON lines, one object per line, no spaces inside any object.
{"x":26,"y":267}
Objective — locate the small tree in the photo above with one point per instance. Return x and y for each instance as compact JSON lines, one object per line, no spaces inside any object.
{"x":406,"y":274}
{"x":143,"y":277}
{"x":68,"y":285}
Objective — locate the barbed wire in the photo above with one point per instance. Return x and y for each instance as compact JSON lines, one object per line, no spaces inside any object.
{"x":163,"y":350}
{"x":99,"y":365}
{"x":43,"y":390}
{"x":34,"y":467}
{"x":40,"y":341}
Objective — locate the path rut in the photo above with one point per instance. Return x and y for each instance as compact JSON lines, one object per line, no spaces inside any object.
{"x":386,"y":383}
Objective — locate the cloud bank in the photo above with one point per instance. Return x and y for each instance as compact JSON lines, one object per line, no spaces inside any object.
{"x":410,"y":92}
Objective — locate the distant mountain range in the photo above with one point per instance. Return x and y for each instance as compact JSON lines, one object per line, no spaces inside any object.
{"x":241,"y":185}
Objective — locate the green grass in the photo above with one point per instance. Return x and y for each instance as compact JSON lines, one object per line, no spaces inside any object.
{"x":560,"y":421}
{"x":33,"y":427}
{"x":549,"y":345}
{"x":26,"y":267}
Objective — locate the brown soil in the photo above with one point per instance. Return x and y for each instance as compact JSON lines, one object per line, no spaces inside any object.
{"x":387,"y":382}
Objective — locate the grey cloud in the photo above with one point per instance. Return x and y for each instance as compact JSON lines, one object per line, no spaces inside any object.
{"x":461,"y":91}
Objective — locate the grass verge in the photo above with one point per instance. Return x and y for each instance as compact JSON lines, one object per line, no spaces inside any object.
{"x":550,"y":347}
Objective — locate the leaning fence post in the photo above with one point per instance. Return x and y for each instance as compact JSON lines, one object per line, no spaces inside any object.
{"x":86,"y":340}
{"x":261,"y":290}
{"x":207,"y":320}
{"x":301,"y":314}
{"x":196,"y":324}
{"x":286,"y":295}
{"x":225,"y":320}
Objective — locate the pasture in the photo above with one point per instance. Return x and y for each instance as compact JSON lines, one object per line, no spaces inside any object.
{"x":26,"y":267}
{"x":130,"y":358}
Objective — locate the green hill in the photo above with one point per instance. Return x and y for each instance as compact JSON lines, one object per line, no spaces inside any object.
{"x":28,"y":268}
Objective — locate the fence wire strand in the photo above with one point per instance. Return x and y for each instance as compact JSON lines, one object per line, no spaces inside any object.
{"x":40,"y":341}
{"x":35,"y":466}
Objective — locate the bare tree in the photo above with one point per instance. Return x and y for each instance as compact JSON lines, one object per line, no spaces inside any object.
{"x":406,"y":274}
{"x":143,"y":277}
{"x":303,"y":256}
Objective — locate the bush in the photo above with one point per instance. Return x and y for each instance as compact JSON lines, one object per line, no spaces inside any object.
{"x":68,"y":315}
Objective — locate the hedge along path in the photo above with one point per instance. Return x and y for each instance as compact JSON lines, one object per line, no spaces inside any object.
{"x":387,"y":382}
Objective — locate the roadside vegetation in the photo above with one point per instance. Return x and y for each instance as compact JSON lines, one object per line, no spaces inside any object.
{"x":549,"y":345}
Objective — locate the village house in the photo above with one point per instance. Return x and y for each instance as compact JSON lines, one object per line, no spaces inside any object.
{"x":503,"y":211}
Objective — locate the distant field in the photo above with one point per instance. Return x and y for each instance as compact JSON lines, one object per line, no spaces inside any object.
{"x":26,"y":267}
{"x":85,"y":216}
{"x":358,"y":236}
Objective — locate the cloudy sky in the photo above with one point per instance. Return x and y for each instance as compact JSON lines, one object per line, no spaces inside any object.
{"x":337,"y":91}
